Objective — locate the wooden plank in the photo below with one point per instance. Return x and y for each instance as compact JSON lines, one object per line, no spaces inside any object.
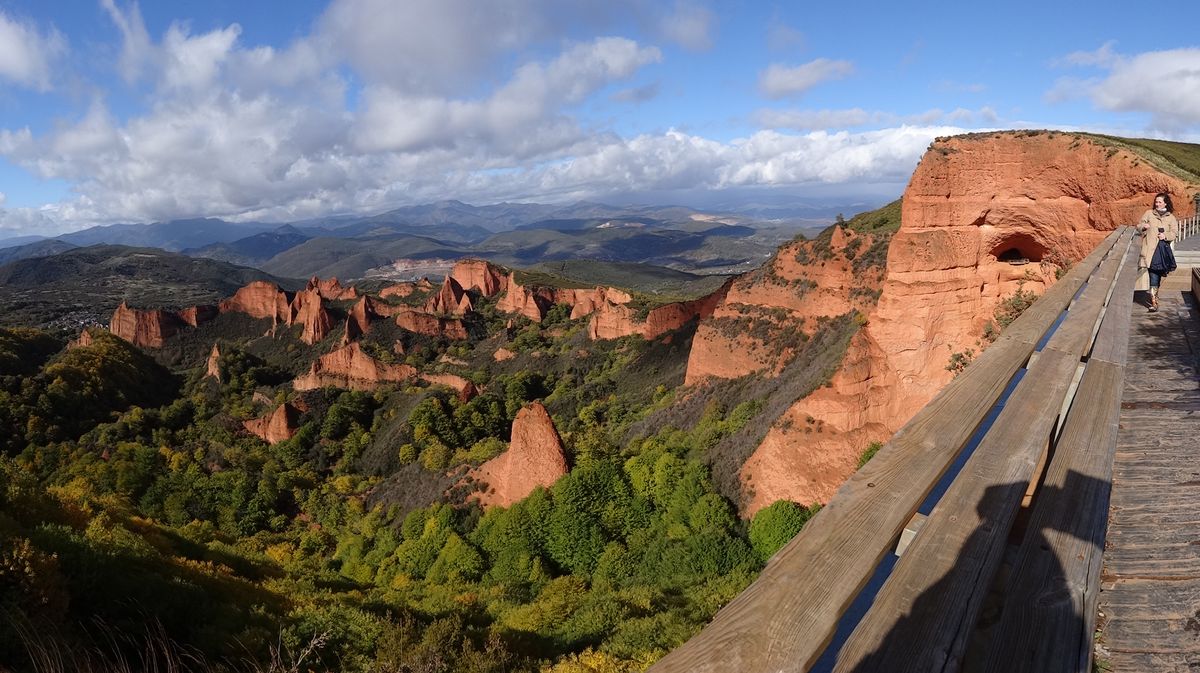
{"x":1153,"y":615}
{"x":1152,"y":662}
{"x":786,"y":617}
{"x":924,"y":613}
{"x":1112,"y":341}
{"x":1029,"y":328}
{"x":1049,"y":612}
{"x":1073,"y":335}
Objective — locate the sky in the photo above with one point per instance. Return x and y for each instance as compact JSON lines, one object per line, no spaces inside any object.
{"x":119,"y":111}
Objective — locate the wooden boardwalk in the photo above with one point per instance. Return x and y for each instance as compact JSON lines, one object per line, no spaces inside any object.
{"x":1150,"y":594}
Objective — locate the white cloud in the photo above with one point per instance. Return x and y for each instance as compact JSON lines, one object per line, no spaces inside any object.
{"x":193,"y":62}
{"x":639,"y":94}
{"x":1104,"y":57}
{"x":1165,"y":84}
{"x":816,"y":120}
{"x":426,"y":47}
{"x":522,"y":113}
{"x":137,"y":50}
{"x":690,"y":26}
{"x":780,"y":81}
{"x":3,"y":198}
{"x":27,"y":55}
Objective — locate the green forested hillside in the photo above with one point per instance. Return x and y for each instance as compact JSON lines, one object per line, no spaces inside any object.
{"x":140,"y":522}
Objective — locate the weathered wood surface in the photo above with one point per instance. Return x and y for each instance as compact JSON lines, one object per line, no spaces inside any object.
{"x":922,"y":617}
{"x":1050,"y":607}
{"x":784,"y":620}
{"x":1112,"y":341}
{"x":1150,"y":603}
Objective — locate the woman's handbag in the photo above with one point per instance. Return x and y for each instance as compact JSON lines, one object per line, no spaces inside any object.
{"x":1163,"y":261}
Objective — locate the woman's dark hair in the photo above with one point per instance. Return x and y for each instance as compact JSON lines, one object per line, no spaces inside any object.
{"x":1167,"y":200}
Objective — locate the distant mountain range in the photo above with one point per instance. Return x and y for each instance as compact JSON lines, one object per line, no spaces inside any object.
{"x":507,"y":233}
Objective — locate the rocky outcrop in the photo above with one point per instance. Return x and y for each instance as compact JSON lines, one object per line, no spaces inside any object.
{"x":613,"y":321}
{"x":212,"y":367}
{"x":534,"y":458}
{"x":480,"y":275}
{"x":195,"y":315}
{"x":421,"y":322}
{"x":585,"y":302}
{"x":362,"y":313}
{"x":84,"y":340}
{"x":973,"y":204}
{"x":400,"y":290}
{"x":806,"y":281}
{"x":350,"y":367}
{"x":148,"y":329}
{"x":503,"y":354}
{"x":259,"y":299}
{"x":450,"y":299}
{"x":308,"y":310}
{"x":465,"y":390}
{"x":276,"y":426}
{"x":331,"y":289}
{"x":531,"y":302}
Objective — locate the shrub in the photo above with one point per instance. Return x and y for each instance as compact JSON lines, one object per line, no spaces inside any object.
{"x":776,"y":525}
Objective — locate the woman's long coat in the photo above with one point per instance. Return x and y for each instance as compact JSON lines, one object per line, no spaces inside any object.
{"x":1148,"y":228}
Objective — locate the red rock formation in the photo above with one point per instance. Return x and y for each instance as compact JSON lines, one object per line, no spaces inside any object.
{"x":464,"y":388}
{"x":350,"y":332}
{"x":1049,"y":198}
{"x":195,"y":315}
{"x":362,"y":313}
{"x":613,"y":321}
{"x":531,"y":302}
{"x":148,"y":329}
{"x":331,"y":289}
{"x":259,"y":299}
{"x":276,"y":426}
{"x":585,"y":302}
{"x":805,"y":280}
{"x":307,"y":308}
{"x":503,"y":354}
{"x":534,"y":458}
{"x":398,"y":290}
{"x":84,"y":340}
{"x":350,"y":367}
{"x":420,"y":322}
{"x":484,"y":276}
{"x":451,"y":299}
{"x":213,"y":365}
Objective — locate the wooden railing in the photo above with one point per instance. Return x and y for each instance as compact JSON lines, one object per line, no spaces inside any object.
{"x":1058,"y":424}
{"x":1188,"y":227}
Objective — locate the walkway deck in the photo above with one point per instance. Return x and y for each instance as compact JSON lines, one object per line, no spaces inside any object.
{"x":1150,"y":599}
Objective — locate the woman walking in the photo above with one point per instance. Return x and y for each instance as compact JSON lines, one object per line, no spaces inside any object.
{"x":1158,"y":224}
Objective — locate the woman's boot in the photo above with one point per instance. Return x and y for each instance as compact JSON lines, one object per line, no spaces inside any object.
{"x":1153,"y":299}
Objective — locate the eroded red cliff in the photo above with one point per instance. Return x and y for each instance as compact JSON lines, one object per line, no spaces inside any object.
{"x":259,"y":299}
{"x":148,"y":329}
{"x":351,"y":367}
{"x":974,"y":209}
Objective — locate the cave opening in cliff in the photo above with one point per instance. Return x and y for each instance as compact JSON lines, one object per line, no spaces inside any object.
{"x":1018,"y":249}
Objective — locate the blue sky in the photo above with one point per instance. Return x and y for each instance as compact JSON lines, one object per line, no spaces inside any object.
{"x":116,"y":111}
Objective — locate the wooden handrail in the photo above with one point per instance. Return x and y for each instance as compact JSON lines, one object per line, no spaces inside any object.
{"x":923,"y":616}
{"x":785,"y":619}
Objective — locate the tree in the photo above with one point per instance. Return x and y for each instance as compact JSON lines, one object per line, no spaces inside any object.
{"x":774,"y":526}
